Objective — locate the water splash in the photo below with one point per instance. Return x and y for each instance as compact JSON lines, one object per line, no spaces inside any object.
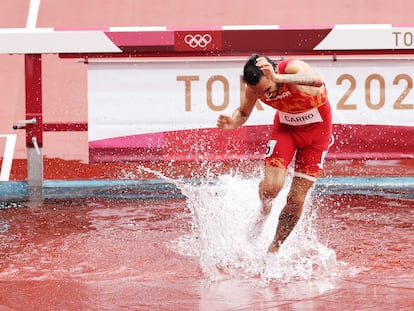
{"x":223,"y":211}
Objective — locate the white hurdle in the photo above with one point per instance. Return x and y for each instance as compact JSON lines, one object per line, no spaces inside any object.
{"x":7,"y":156}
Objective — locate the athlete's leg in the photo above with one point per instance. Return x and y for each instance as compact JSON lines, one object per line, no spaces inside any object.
{"x":291,"y":212}
{"x":279,"y":153}
{"x":269,"y":188}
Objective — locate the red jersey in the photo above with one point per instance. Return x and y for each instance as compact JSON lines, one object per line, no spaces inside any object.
{"x":302,"y":126}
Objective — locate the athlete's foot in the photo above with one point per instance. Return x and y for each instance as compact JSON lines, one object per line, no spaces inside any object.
{"x":274,"y":247}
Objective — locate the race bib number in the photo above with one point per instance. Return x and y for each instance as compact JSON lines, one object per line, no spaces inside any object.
{"x":270,"y":148}
{"x":302,"y":118}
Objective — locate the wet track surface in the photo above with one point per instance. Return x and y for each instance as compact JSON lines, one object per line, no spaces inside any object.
{"x":119,"y":254}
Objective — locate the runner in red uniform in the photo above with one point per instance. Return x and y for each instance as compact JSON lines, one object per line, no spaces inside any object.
{"x":302,"y":127}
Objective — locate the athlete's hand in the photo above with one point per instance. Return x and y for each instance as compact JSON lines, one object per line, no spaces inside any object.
{"x":266,"y":67}
{"x":225,"y":122}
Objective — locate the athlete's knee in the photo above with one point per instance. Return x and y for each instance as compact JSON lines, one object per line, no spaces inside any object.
{"x":295,"y":201}
{"x":298,"y":193}
{"x":268,"y":191}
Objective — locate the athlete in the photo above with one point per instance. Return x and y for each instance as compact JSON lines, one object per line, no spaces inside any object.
{"x":302,"y":130}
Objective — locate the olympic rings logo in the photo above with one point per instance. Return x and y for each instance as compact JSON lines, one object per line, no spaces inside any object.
{"x":197,"y":40}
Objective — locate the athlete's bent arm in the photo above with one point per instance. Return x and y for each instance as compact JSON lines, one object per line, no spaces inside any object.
{"x":241,"y":114}
{"x":296,"y":72}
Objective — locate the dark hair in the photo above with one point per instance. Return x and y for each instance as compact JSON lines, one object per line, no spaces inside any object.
{"x":252,"y":73}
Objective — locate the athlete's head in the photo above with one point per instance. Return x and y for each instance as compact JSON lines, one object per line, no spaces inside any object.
{"x":252,"y":73}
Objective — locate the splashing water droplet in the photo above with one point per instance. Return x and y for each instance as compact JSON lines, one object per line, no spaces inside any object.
{"x":4,"y":226}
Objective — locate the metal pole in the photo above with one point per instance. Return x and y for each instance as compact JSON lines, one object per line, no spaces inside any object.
{"x":34,"y":125}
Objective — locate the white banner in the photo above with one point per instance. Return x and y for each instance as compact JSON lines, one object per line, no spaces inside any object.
{"x":175,"y":94}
